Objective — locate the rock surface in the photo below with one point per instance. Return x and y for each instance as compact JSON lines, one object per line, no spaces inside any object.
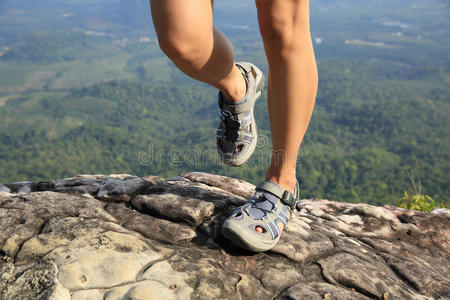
{"x":128,"y":237}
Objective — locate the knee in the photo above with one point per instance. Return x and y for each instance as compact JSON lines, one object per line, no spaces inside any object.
{"x":180,"y":48}
{"x":176,"y":48}
{"x":282,"y":22}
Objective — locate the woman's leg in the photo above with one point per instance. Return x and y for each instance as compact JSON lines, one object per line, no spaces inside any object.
{"x":292,"y":83}
{"x":187,"y":36}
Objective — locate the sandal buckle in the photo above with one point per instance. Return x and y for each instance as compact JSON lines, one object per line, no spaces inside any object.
{"x":289,"y":200}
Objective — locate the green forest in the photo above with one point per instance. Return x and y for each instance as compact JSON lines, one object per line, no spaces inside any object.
{"x":97,"y":102}
{"x":360,"y":144}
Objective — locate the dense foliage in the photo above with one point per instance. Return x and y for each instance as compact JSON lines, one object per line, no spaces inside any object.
{"x":366,"y":132}
{"x":44,"y":48}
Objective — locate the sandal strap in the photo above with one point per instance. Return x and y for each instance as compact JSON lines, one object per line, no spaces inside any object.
{"x":233,"y":108}
{"x":234,"y":136}
{"x":236,"y":121}
{"x":285,"y":196}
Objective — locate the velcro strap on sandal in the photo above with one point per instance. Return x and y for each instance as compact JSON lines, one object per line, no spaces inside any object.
{"x":233,"y":108}
{"x":233,"y":124}
{"x":234,"y":136}
{"x":286,"y":197}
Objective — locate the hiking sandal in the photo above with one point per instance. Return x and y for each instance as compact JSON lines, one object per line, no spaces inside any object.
{"x":237,"y":134}
{"x":268,"y":207}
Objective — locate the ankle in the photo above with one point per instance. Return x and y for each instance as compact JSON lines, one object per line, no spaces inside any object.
{"x":285,"y":180}
{"x":235,"y":88}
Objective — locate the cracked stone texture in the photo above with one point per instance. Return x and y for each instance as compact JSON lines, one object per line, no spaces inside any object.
{"x":128,"y":237}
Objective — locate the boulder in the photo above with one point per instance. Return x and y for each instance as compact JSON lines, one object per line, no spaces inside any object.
{"x":130,"y":237}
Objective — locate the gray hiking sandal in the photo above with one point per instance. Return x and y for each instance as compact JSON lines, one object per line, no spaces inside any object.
{"x":236,"y":134}
{"x":268,"y":207}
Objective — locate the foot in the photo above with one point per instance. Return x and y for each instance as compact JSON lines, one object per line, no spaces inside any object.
{"x":267,"y":209}
{"x":237,"y":133}
{"x":287,"y":183}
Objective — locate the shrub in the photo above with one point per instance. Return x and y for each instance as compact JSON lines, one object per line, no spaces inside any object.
{"x":418,"y":202}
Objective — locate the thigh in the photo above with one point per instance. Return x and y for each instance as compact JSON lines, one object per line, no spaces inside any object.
{"x":182,"y":19}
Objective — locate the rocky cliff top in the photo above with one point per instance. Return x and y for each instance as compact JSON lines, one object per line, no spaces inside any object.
{"x":128,"y":237}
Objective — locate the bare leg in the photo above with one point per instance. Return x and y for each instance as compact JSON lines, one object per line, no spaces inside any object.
{"x":292,"y":83}
{"x":187,"y":36}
